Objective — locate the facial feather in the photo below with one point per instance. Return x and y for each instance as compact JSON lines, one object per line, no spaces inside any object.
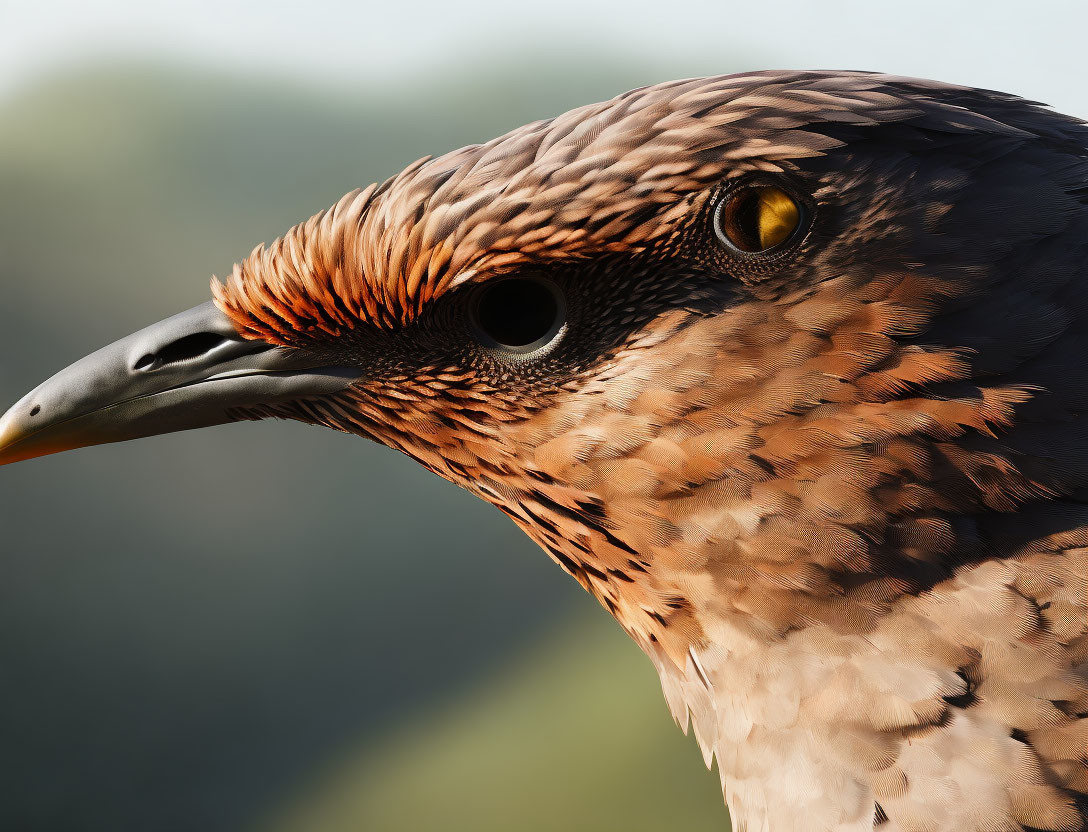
{"x":854,"y":465}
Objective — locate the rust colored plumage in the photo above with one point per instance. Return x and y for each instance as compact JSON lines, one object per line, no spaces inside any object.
{"x":834,"y":490}
{"x":835,"y":496}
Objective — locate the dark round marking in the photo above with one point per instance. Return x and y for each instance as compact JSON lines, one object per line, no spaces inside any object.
{"x":519,"y":313}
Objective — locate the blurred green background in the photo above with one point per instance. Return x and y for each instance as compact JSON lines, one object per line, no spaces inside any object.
{"x":269,"y":626}
{"x":272,"y":627}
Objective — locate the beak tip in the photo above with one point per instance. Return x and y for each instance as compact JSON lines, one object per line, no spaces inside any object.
{"x":9,"y":435}
{"x":13,"y":429}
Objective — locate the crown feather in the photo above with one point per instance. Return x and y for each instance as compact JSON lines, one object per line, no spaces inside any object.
{"x":610,"y":177}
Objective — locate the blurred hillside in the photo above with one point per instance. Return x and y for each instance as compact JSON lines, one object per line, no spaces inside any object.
{"x":201,"y":630}
{"x":571,"y":735}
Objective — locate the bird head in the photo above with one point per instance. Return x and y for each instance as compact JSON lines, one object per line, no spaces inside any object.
{"x":758,"y":341}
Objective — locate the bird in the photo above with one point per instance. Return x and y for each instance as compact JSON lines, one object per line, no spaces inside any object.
{"x":785,"y":368}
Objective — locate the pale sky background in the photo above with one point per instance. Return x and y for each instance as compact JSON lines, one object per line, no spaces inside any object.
{"x":1034,"y":49}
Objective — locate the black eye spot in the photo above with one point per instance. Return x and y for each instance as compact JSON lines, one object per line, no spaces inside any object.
{"x":757,"y":219}
{"x":520,"y":314}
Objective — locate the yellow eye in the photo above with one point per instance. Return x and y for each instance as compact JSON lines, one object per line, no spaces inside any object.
{"x":758,"y":218}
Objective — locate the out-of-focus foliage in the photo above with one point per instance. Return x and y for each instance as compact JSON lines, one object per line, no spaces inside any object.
{"x":193,"y":626}
{"x":571,"y":735}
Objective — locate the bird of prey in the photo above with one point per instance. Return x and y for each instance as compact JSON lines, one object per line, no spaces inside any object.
{"x":787,"y":369}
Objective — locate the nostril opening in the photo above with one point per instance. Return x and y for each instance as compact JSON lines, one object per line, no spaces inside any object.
{"x":145,"y":363}
{"x":34,"y":411}
{"x":183,"y":349}
{"x":189,"y":347}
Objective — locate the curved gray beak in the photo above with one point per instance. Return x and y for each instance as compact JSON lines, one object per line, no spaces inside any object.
{"x":182,"y":373}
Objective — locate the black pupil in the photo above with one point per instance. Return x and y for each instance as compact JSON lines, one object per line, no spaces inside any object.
{"x":517,"y":312}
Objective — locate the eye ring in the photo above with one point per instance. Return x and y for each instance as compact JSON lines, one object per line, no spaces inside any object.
{"x":760,"y":219}
{"x":519,"y":315}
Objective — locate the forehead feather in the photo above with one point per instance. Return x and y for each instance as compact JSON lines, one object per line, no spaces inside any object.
{"x":614,"y":176}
